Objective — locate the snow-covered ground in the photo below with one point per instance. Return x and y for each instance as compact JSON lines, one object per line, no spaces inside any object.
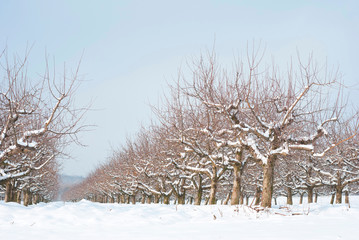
{"x":87,"y":220}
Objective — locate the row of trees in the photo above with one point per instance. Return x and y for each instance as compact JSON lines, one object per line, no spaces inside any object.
{"x":253,"y":131}
{"x":37,"y":117}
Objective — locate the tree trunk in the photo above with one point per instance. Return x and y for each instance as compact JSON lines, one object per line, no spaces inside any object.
{"x":157,"y":199}
{"x":310,"y":194}
{"x":301,"y":198}
{"x":18,"y":197}
{"x":26,"y":198}
{"x":247,"y":200}
{"x":34,"y":198}
{"x":227,"y":199}
{"x":316,"y":197}
{"x":149,"y":199}
{"x":289,"y":196}
{"x":332,"y":198}
{"x":338,"y":194}
{"x":198,"y":198}
{"x":213,"y":191}
{"x":275,"y":200}
{"x":347,"y":197}
{"x":133,"y":197}
{"x":258,"y":196}
{"x":123,"y":199}
{"x":8,"y":192}
{"x":267,"y":190}
{"x":143,"y":199}
{"x":236,"y":189}
{"x":30,"y":200}
{"x":241,"y":199}
{"x":181,"y":198}
{"x":166,"y":199}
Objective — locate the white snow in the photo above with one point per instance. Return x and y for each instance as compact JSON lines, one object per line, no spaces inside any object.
{"x":87,"y":220}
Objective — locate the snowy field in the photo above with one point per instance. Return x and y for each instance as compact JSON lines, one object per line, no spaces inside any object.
{"x":87,"y":220}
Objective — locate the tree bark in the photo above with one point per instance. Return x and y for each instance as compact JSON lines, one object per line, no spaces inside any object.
{"x":316,"y":197}
{"x":34,"y":198}
{"x":157,"y":199}
{"x":213,"y":191}
{"x":227,"y":199}
{"x":289,"y":196}
{"x":198,"y":198}
{"x":18,"y":197}
{"x":166,"y":199}
{"x":133,"y":197}
{"x":9,"y":192}
{"x":26,"y":198}
{"x":143,"y":199}
{"x":310,"y":194}
{"x":149,"y":199}
{"x":236,"y":189}
{"x":301,"y":198}
{"x":267,"y":191}
{"x":123,"y":199}
{"x":347,"y":197}
{"x":30,"y":198}
{"x":258,"y":196}
{"x":332,"y":198}
{"x":181,"y":198}
{"x":241,"y":199}
{"x":338,"y":194}
{"x":338,"y":189}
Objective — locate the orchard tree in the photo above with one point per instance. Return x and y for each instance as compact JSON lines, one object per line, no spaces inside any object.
{"x":35,"y":116}
{"x":270,"y":114}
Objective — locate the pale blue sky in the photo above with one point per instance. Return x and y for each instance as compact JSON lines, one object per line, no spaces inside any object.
{"x":131,"y":48}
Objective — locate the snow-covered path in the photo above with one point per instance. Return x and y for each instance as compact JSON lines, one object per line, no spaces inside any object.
{"x":87,"y":220}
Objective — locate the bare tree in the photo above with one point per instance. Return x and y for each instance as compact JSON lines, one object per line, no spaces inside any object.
{"x":34,"y":114}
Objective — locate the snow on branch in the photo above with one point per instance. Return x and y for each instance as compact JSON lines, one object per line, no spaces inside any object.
{"x":193,"y":169}
{"x":255,"y":151}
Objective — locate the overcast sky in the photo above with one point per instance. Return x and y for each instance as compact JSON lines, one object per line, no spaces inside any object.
{"x":132,"y":48}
